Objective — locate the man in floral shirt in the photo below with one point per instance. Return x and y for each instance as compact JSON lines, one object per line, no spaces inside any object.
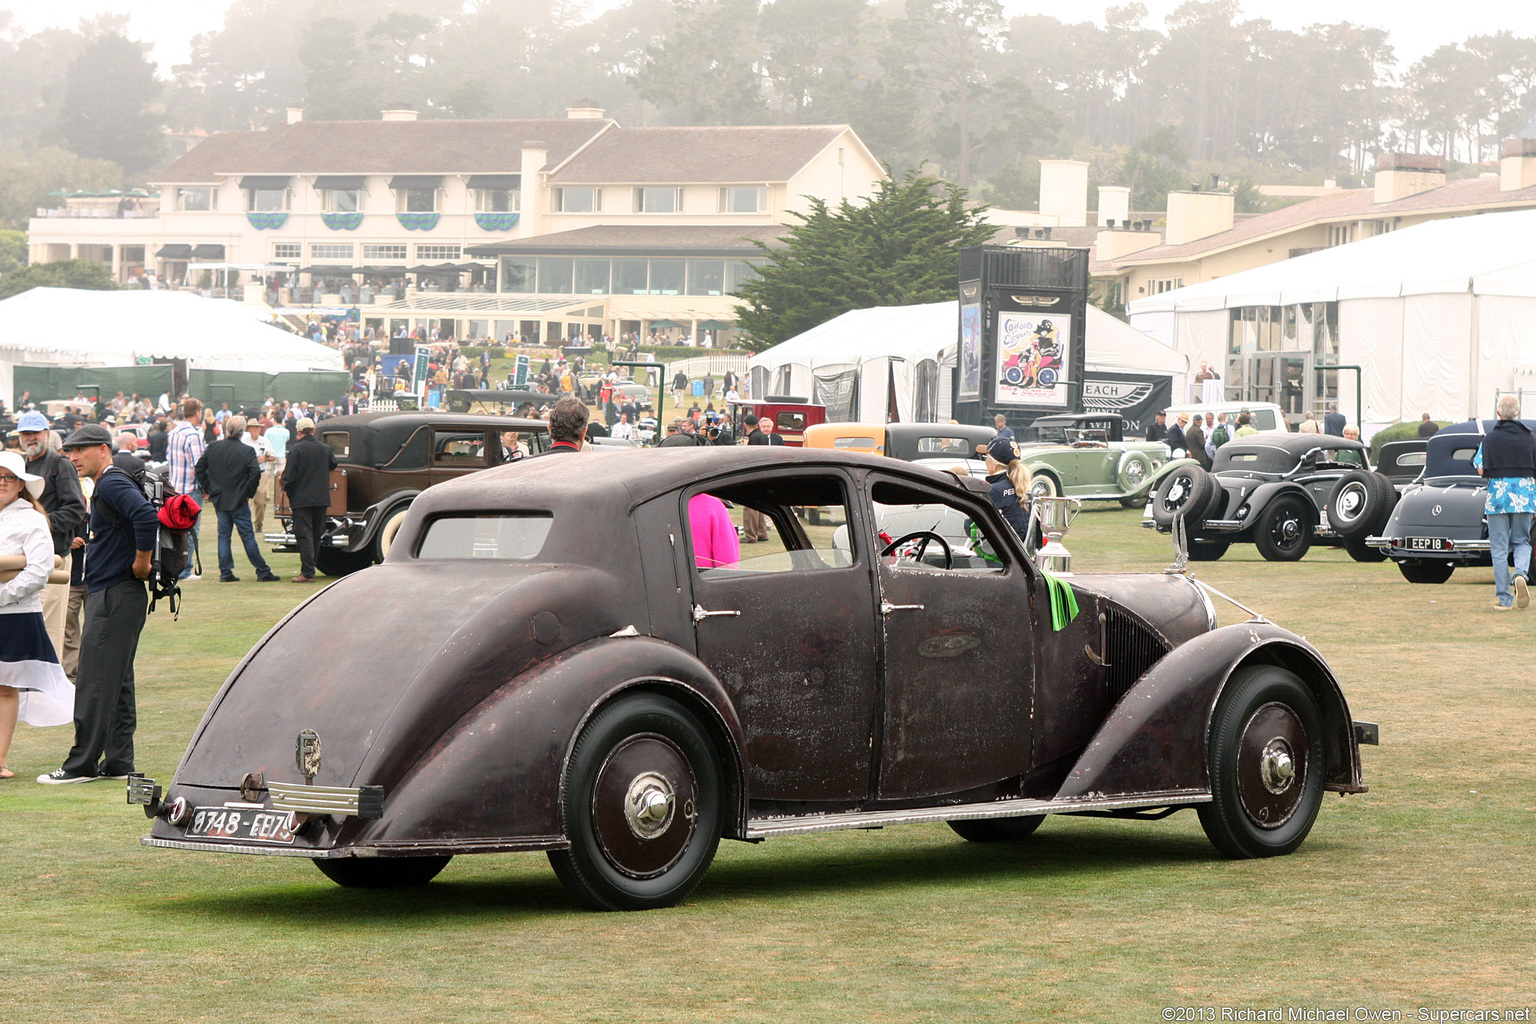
{"x":183,"y":449}
{"x":1507,"y":460}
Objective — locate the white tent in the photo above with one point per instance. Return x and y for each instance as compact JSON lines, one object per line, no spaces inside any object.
{"x":1441,"y":315}
{"x":75,"y":327}
{"x":860,"y":362}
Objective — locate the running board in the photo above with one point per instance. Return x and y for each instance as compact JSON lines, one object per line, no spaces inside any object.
{"x":765,"y":828}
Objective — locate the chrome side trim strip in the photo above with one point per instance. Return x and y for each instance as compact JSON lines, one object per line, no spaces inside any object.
{"x":764,"y":828}
{"x":529,"y":844}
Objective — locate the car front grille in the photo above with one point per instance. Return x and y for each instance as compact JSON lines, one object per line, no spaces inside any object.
{"x":1130,"y":648}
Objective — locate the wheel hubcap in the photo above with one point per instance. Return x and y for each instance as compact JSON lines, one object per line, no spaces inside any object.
{"x":1272,"y":765}
{"x":644,"y":805}
{"x":1351,"y":500}
{"x":1176,"y":494}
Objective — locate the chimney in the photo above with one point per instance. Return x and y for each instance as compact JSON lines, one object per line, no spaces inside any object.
{"x":295,"y":115}
{"x":584,"y":110}
{"x":399,"y":114}
{"x":535,"y":196}
{"x":1064,"y":192}
{"x":1195,"y":215}
{"x":1400,"y":175}
{"x":1114,"y":205}
{"x":1517,"y":165}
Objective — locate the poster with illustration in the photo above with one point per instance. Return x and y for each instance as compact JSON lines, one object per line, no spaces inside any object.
{"x":970,"y":353}
{"x":1032,"y":359}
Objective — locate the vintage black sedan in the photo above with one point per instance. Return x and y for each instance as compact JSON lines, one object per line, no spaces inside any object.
{"x":570,"y":655}
{"x":1439,"y":523}
{"x":1279,"y":492}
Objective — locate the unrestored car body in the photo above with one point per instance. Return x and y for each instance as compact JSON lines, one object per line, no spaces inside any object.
{"x":384,"y":460}
{"x":549,"y":660}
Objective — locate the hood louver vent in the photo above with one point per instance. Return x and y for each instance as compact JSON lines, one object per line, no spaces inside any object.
{"x":1130,"y":648}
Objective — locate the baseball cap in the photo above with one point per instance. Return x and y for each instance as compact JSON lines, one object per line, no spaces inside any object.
{"x":304,"y":423}
{"x":88,"y":436}
{"x":33,"y":420}
{"x":1002,"y":449}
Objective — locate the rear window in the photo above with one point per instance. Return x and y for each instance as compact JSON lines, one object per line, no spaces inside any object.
{"x":866,"y":443}
{"x":790,"y":420}
{"x":496,"y":537}
{"x":339,"y":442}
{"x":944,"y":446}
{"x":1264,"y":419}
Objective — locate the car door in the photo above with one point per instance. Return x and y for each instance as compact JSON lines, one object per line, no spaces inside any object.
{"x":788,"y":627}
{"x":458,"y":450}
{"x":958,"y":651}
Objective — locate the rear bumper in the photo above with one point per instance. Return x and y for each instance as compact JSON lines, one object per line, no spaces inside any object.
{"x":288,"y":542}
{"x":1464,"y":550}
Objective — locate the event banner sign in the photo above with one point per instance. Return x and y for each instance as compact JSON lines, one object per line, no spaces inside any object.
{"x":1137,"y":397}
{"x":969,"y":387}
{"x":1032,"y":353}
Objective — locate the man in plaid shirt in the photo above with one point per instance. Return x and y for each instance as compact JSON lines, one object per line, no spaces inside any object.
{"x":184,"y":447}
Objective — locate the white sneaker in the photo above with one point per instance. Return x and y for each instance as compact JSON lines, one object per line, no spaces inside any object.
{"x":1522,"y":593}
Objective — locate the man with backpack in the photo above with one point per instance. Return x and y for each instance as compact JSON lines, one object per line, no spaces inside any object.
{"x":118,"y":557}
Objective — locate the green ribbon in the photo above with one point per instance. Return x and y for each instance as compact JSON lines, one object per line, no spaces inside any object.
{"x":1063,"y":602}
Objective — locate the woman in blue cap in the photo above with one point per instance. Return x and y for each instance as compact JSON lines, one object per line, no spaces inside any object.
{"x":1009,"y":478}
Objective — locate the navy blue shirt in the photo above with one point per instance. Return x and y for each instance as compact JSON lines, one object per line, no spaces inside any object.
{"x":123,"y":522}
{"x":1006,"y":499}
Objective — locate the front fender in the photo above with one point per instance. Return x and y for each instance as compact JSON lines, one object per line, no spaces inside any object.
{"x":496,"y":774}
{"x":1156,"y":738}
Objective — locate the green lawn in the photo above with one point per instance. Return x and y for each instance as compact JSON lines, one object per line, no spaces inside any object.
{"x":1418,"y":893}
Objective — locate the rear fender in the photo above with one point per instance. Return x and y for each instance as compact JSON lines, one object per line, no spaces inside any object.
{"x":378,"y":512}
{"x":1157,"y":737}
{"x":497,"y":772}
{"x":1261,"y":496}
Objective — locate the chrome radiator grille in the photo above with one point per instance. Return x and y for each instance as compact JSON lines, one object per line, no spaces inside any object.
{"x":1130,"y":648}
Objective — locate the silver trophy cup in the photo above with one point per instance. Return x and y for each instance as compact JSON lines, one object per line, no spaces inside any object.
{"x":1054,"y":516}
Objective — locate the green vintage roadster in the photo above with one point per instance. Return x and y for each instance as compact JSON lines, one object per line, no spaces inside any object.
{"x":1087,"y":456}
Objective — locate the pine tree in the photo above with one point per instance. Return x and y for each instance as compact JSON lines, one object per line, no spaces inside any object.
{"x":900,"y":248}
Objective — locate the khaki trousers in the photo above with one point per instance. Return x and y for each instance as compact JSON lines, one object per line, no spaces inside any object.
{"x":259,"y":503}
{"x":55,"y":604}
{"x":754,"y":525}
{"x":70,"y":658}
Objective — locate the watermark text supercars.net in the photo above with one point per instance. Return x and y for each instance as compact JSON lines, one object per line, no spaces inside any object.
{"x":1202,"y":1014}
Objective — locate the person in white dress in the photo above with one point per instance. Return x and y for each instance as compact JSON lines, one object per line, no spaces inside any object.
{"x":33,"y":687}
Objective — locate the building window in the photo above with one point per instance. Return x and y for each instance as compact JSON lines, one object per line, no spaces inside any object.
{"x":437,"y":252}
{"x":738,"y":272}
{"x":556,"y":275}
{"x":1158,"y":287}
{"x":329,"y":251}
{"x":1338,"y":234}
{"x":668,"y":277}
{"x":267,"y":200}
{"x":497,"y":200}
{"x":706,"y":277}
{"x":743,"y":199}
{"x":341,"y":200}
{"x":287,"y":251}
{"x":592,"y":277}
{"x":658,"y":200}
{"x":519,"y":274}
{"x":579,"y":200}
{"x":197,"y":200}
{"x":383,"y":252}
{"x":630,"y":277}
{"x":417,"y":200}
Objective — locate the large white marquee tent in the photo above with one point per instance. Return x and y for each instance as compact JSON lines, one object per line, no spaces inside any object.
{"x":1440,"y":316}
{"x":861,"y":361}
{"x":76,"y":327}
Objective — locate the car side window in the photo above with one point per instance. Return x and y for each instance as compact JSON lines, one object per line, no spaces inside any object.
{"x":458,"y":448}
{"x":923,"y":523}
{"x":777,"y":525}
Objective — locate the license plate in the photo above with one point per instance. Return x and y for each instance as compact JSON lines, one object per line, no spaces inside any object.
{"x":1428,"y":544}
{"x":242,"y":825}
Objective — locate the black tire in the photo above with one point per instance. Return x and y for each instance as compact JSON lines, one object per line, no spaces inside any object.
{"x":1284,"y":530}
{"x":1138,"y":502}
{"x":1360,"y":504}
{"x":381,"y":872}
{"x":1266,"y":764}
{"x":997,"y":830}
{"x":1207,"y":550}
{"x":389,"y":526}
{"x":342,"y":563}
{"x":1187,"y":491}
{"x":1418,"y":570}
{"x":1360,"y":551}
{"x":644,"y":748}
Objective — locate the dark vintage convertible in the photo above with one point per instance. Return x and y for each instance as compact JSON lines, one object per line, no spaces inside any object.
{"x":1439,"y":523}
{"x":541,"y":664}
{"x":1278,"y":491}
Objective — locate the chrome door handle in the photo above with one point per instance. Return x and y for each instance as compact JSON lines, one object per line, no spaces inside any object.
{"x":699,"y":614}
{"x":886,"y":607}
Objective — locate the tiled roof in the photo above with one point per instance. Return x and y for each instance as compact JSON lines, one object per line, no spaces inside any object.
{"x":640,"y":239}
{"x":727,"y":155}
{"x":382,"y":147}
{"x":1347,"y":205}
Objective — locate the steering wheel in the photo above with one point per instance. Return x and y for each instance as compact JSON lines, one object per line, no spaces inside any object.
{"x":925,"y":536}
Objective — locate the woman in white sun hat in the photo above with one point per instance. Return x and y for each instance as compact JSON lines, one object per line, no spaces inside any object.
{"x":33,"y":687}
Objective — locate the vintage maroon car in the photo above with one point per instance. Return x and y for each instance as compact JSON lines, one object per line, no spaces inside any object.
{"x":541,"y":664}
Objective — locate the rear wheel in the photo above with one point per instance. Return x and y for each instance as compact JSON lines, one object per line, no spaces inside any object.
{"x":1284,"y":531}
{"x":642,"y":806}
{"x":381,"y":872}
{"x":386,"y":536}
{"x":1043,"y":485}
{"x":1417,"y":570}
{"x":1266,"y":764}
{"x":1360,"y":551}
{"x":341,"y":563}
{"x":997,"y":830}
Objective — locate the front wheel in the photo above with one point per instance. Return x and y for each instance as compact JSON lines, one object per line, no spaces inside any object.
{"x":1266,"y":764}
{"x":381,"y":872}
{"x":1043,"y":485}
{"x":1417,"y":570}
{"x":997,"y":830}
{"x":1207,"y":550}
{"x":642,"y":806}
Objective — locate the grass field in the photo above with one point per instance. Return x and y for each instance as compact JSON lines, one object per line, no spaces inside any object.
{"x":1417,"y":894}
